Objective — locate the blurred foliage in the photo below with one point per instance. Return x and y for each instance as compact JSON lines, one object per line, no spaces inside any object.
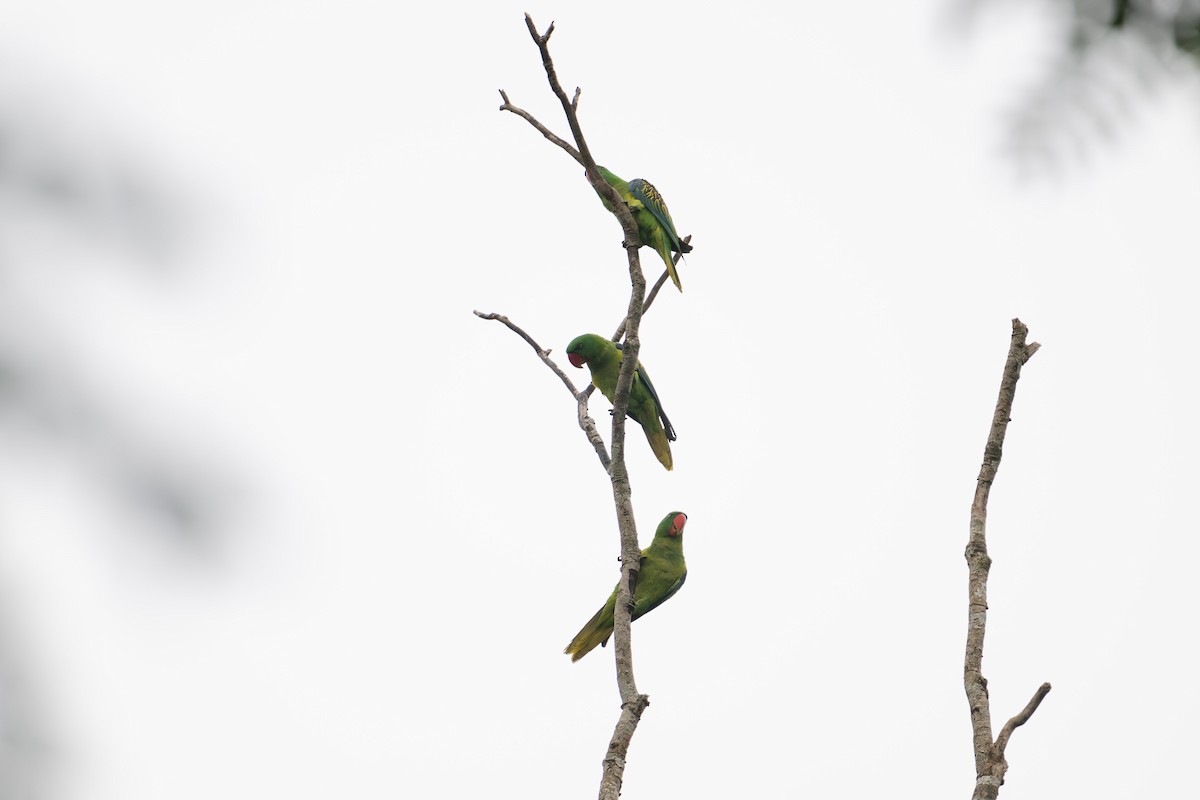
{"x":69,"y":200}
{"x":1176,"y":22}
{"x":25,"y":757}
{"x":72,"y":203}
{"x":1114,"y":55}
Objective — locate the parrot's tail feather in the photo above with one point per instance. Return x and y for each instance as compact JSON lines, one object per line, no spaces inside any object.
{"x":661,"y":446}
{"x":590,"y":635}
{"x":674,"y":275}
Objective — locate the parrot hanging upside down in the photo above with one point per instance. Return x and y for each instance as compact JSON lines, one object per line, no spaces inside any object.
{"x":662,"y":573}
{"x":603,"y":358}
{"x":655,"y":227}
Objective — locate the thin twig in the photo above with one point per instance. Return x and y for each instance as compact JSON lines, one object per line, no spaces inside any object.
{"x":520,"y":112}
{"x":583,"y":154}
{"x":616,"y":337}
{"x":543,"y":354}
{"x":586,"y":423}
{"x":543,"y":43}
{"x":990,"y":765}
{"x":1021,"y":718}
{"x":601,"y":186}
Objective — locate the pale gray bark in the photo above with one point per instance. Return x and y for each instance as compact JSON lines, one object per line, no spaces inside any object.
{"x":990,"y":765}
{"x":633,"y":703}
{"x":586,"y":423}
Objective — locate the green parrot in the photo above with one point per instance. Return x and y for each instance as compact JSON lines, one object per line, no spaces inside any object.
{"x":655,"y":227}
{"x":603,"y":358}
{"x":663,"y":572}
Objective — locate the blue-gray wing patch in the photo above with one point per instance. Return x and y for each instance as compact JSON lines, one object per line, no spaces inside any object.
{"x":644,"y":192}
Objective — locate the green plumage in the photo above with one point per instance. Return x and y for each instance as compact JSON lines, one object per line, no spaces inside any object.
{"x":662,"y":572}
{"x":603,"y":359}
{"x":655,"y":227}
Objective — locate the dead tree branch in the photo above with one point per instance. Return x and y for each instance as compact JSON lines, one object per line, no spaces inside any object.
{"x":586,"y":423}
{"x":520,"y":112}
{"x":569,"y":106}
{"x":990,"y":765}
{"x":633,"y":704}
{"x":1022,"y":717}
{"x":583,"y":155}
{"x":616,"y":337}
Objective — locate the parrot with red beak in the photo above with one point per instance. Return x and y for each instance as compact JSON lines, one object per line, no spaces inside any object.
{"x":662,"y":572}
{"x":603,"y":358}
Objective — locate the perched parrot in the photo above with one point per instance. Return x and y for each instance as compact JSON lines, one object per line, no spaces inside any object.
{"x":655,"y":226}
{"x":662,"y":573}
{"x":603,"y":358}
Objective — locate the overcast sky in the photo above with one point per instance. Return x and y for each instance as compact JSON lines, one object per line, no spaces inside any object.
{"x":413,"y":525}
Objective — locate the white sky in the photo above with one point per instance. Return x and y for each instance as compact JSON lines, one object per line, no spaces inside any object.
{"x":421,"y":527}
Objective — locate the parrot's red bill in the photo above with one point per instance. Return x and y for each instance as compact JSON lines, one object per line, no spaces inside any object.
{"x":576,"y":360}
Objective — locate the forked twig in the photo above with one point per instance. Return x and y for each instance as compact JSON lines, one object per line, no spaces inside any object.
{"x":616,"y":337}
{"x":525,"y":115}
{"x":586,"y":423}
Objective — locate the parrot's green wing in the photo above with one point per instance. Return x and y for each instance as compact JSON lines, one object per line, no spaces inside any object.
{"x":663,"y":571}
{"x":639,"y":611}
{"x":644,"y":378}
{"x":643,"y":192}
{"x":666,"y":423}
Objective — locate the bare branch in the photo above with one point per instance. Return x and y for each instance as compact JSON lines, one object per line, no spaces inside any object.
{"x":616,"y":337}
{"x":589,"y":427}
{"x":543,"y":39}
{"x":633,"y":704}
{"x":618,"y":746}
{"x":520,"y":112}
{"x":543,"y":354}
{"x":990,"y":765}
{"x":543,"y":43}
{"x":1021,"y":718}
{"x":586,"y":423}
{"x":584,"y":156}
